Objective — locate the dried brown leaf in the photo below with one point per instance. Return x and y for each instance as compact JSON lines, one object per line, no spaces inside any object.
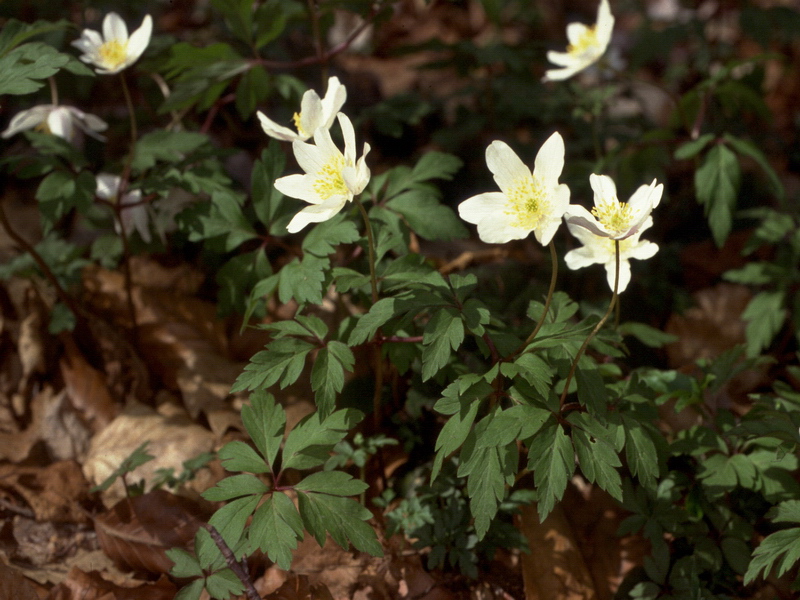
{"x":54,"y":493}
{"x":14,"y":586}
{"x":136,"y":532}
{"x":80,"y":585}
{"x":297,"y":587}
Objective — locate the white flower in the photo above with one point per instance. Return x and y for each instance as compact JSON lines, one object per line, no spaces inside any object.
{"x":601,"y":250}
{"x":314,"y":113}
{"x":58,"y":120}
{"x":527,"y":201}
{"x":332,"y":179}
{"x":586,"y":45}
{"x":114,"y":51}
{"x":137,"y":216}
{"x":611,"y":218}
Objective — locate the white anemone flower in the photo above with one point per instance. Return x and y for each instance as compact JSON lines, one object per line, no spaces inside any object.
{"x":331,"y":180}
{"x":114,"y":50}
{"x":314,"y":113}
{"x":611,"y":218}
{"x":63,"y":121}
{"x":527,"y":201}
{"x":586,"y":45}
{"x":136,"y":217}
{"x":601,"y":250}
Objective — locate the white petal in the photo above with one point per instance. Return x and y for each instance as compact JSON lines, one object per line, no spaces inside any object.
{"x":544,"y":234}
{"x":487,"y":205}
{"x":107,"y":186}
{"x":577,"y":215}
{"x":550,"y":160}
{"x":272,"y":129}
{"x":580,"y":258}
{"x":310,"y":113}
{"x":334,"y":99}
{"x":604,"y":188}
{"x":642,"y":251}
{"x":139,"y":40}
{"x":349,"y":136}
{"x":505,"y":165}
{"x":114,"y":28}
{"x":298,"y":186}
{"x":325,"y":146}
{"x":605,"y":24}
{"x":27,"y":119}
{"x":561,"y":74}
{"x":89,"y":41}
{"x":316,"y":214}
{"x":59,"y":121}
{"x":310,"y":157}
{"x":624,"y":274}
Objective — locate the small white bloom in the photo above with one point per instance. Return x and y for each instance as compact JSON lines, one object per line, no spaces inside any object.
{"x":601,"y":250}
{"x":611,"y":218}
{"x":332,"y":179}
{"x":314,"y":113}
{"x":58,"y":120}
{"x":527,"y":201}
{"x":136,"y":217}
{"x":586,"y":45}
{"x":114,"y":50}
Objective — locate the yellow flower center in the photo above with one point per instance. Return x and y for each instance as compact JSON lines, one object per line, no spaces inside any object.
{"x":113,"y":53}
{"x":329,"y":181}
{"x":614,"y":215}
{"x":527,"y":202}
{"x":43,"y":127}
{"x":299,"y":125}
{"x":587,"y":41}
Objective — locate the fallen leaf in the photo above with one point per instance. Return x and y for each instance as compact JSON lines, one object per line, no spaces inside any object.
{"x":54,"y":493}
{"x":80,"y":585}
{"x":14,"y":586}
{"x":136,"y":532}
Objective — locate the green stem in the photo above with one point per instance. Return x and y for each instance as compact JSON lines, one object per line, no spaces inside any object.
{"x":597,"y":327}
{"x":373,"y":278}
{"x":553,"y":278}
{"x":129,"y":102}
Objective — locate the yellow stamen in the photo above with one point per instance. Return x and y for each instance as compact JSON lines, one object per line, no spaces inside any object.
{"x":527,"y":203}
{"x":615,"y":216}
{"x":113,"y":54}
{"x":329,"y":180}
{"x":299,"y":125}
{"x":585,"y":42}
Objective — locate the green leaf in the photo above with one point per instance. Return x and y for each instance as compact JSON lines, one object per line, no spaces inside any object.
{"x":238,"y":15}
{"x":641,"y":452}
{"x":136,"y":459}
{"x":765,"y":315}
{"x":271,"y":18}
{"x":518,"y":422}
{"x":746,"y":148}
{"x":225,"y":219}
{"x":786,"y":512}
{"x":223,"y":584}
{"x":302,"y":280}
{"x":231,"y":519}
{"x":253,"y":88}
{"x":267,"y":201}
{"x":265,"y":422}
{"x":756,"y":273}
{"x":598,"y":462}
{"x":532,"y":369}
{"x":324,"y":237}
{"x":717,"y":185}
{"x":238,"y":456}
{"x":486,"y":484}
{"x":165,"y":146}
{"x":427,"y":216}
{"x":591,"y":390}
{"x":310,"y":442}
{"x":22,"y":69}
{"x":780,"y":549}
{"x":551,"y":458}
{"x":694,"y":147}
{"x":186,"y":565}
{"x":443,"y":335}
{"x":235,"y":486}
{"x":435,"y":165}
{"x":191,"y":591}
{"x":59,"y":192}
{"x":276,"y":528}
{"x":283,"y":360}
{"x":343,"y":518}
{"x":327,"y":375}
{"x":336,"y":483}
{"x":649,"y":336}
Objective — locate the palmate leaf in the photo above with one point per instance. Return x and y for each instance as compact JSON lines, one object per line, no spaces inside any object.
{"x":23,"y":69}
{"x":310,"y":442}
{"x":765,"y":315}
{"x":324,"y":237}
{"x":276,"y":529}
{"x":598,"y":462}
{"x":443,"y":335}
{"x":265,"y":421}
{"x":780,"y":549}
{"x":551,"y":458}
{"x":342,"y":518}
{"x":302,"y":280}
{"x":283,"y":360}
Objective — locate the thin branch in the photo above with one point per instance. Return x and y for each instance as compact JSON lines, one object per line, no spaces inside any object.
{"x":232,"y":563}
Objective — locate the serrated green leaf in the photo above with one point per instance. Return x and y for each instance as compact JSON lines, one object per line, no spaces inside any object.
{"x":592,"y":390}
{"x":231,"y":519}
{"x":336,"y":483}
{"x":165,"y":146}
{"x":23,"y":68}
{"x":186,"y":564}
{"x":283,"y":360}
{"x":551,"y":458}
{"x":443,"y":336}
{"x":302,"y":280}
{"x":310,"y":442}
{"x":223,"y":584}
{"x":756,"y":273}
{"x":235,"y":486}
{"x":324,"y":237}
{"x":748,"y":149}
{"x":267,"y":200}
{"x":225,"y":218}
{"x":265,"y":422}
{"x":649,"y":336}
{"x":343,"y":518}
{"x":786,"y":512}
{"x":238,"y":456}
{"x":717,"y":186}
{"x":641,"y":452}
{"x":59,"y":192}
{"x":435,"y":165}
{"x":780,"y":549}
{"x":252,"y":89}
{"x":765,"y":315}
{"x":327,"y":375}
{"x":276,"y":528}
{"x":191,"y":591}
{"x":598,"y":462}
